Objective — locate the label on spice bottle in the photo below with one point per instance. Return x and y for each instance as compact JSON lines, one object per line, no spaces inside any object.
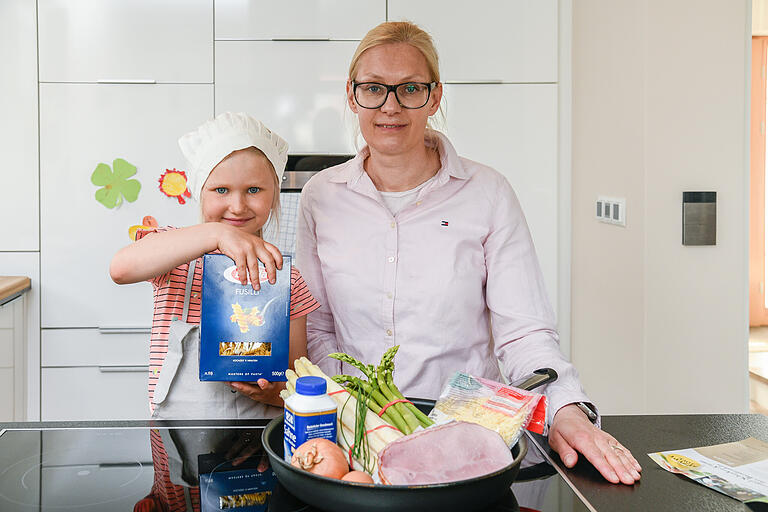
{"x":303,"y":426}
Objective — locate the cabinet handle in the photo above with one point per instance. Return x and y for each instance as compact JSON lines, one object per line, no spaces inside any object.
{"x":289,"y":39}
{"x":124,"y":369}
{"x":473,"y":82}
{"x":124,"y":81}
{"x":125,"y":330}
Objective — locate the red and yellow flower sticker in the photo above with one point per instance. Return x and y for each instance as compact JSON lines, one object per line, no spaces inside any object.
{"x":173,"y":183}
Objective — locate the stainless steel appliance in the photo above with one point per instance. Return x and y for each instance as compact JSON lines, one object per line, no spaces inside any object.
{"x":298,"y":170}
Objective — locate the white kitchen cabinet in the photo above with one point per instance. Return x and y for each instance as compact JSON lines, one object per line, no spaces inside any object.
{"x":126,"y":40}
{"x":91,"y":372}
{"x":13,"y":346}
{"x":297,"y":19}
{"x":488,"y":40}
{"x":513,"y":128}
{"x":295,"y":87}
{"x":93,"y":393}
{"x":93,"y":487}
{"x":93,"y":347}
{"x":18,"y":126}
{"x":82,"y":125}
{"x":79,"y":447}
{"x":27,"y":358}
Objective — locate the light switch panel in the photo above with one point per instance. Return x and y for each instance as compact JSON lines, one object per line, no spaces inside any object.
{"x":699,"y":218}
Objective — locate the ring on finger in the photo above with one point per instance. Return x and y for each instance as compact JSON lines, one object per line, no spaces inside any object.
{"x":617,"y":448}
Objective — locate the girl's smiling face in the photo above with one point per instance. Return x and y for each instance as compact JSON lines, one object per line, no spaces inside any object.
{"x":392,"y":129}
{"x":240,"y":191}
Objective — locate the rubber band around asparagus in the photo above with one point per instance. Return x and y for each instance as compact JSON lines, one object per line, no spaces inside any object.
{"x":393,"y":402}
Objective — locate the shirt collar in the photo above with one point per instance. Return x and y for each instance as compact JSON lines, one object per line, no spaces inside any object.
{"x":450,"y":164}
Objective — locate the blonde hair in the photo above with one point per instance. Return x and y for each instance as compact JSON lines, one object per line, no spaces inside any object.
{"x":392,"y":32}
{"x":274,"y":209}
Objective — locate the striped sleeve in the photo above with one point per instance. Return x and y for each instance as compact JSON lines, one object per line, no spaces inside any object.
{"x":302,"y":301}
{"x":141,"y":233}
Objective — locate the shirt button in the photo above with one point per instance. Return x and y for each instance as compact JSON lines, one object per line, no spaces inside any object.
{"x":391,"y":259}
{"x":389,"y":332}
{"x":389,"y":295}
{"x":392,"y":225}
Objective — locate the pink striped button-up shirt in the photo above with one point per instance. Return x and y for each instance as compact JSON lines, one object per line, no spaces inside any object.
{"x":453,"y":279}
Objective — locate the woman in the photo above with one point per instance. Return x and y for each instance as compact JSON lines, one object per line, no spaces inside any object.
{"x":410,"y":244}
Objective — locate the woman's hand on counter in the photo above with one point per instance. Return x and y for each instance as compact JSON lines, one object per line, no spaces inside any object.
{"x":261,"y":391}
{"x":572,"y":433}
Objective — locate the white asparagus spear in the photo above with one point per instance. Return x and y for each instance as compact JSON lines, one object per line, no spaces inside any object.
{"x":348,"y":404}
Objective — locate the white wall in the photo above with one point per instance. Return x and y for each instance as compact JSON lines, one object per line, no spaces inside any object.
{"x":660,"y":107}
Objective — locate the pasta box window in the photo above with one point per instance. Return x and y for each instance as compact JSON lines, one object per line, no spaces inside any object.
{"x":243,"y":332}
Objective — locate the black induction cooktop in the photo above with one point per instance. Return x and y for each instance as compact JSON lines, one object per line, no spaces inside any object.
{"x":143,"y":466}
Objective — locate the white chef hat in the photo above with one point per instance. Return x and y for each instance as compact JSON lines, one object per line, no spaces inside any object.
{"x":208,"y":145}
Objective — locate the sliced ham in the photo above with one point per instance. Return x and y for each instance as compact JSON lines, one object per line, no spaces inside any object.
{"x":447,"y":453}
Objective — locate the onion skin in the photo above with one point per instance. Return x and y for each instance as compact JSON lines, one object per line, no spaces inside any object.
{"x":321,"y":457}
{"x":360,"y":477}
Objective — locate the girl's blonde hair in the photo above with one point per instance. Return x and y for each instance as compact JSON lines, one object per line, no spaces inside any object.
{"x":274,"y":209}
{"x":391,"y":32}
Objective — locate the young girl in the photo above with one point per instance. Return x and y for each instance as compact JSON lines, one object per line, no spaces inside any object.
{"x":235,"y":167}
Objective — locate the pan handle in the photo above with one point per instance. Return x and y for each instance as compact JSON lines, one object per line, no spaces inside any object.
{"x":538,"y":378}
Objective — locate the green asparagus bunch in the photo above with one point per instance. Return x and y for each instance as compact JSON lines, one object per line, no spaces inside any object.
{"x":381,"y":390}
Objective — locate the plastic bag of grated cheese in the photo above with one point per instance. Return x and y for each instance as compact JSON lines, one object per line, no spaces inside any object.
{"x":499,"y":407}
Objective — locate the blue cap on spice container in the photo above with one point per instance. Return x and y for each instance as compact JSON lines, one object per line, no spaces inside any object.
{"x":311,"y":385}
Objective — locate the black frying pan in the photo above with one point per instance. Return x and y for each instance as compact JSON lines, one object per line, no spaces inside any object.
{"x":334,"y":495}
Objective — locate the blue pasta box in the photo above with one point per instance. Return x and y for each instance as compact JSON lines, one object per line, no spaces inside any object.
{"x":243,"y":332}
{"x":247,"y":486}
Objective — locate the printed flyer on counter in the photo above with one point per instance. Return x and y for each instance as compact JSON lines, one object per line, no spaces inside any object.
{"x":738,"y":470}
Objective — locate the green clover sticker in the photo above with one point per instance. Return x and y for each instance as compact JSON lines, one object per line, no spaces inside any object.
{"x":116,"y":184}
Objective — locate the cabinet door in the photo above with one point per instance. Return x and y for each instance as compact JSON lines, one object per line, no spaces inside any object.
{"x":297,"y":19}
{"x":87,"y":393}
{"x":126,"y":40}
{"x":513,"y":128}
{"x":27,"y":264}
{"x":296,"y":87}
{"x":94,"y":487}
{"x":489,"y":40}
{"x":81,"y":126}
{"x":73,"y":447}
{"x":18,"y":126}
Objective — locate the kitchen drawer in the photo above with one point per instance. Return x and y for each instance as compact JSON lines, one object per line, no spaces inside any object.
{"x":523,"y":148}
{"x":304,"y":102}
{"x":94,"y":488}
{"x":126,"y":40}
{"x":94,"y":394}
{"x":488,"y":40}
{"x":94,"y":347}
{"x":96,"y":446}
{"x":83,"y":125}
{"x":18,"y":126}
{"x":297,"y":19}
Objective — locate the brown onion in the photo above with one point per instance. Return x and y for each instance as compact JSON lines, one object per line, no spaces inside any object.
{"x":321,"y":457}
{"x":358,"y":476}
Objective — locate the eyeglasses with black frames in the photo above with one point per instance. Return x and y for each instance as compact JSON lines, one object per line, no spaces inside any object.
{"x":408,"y":95}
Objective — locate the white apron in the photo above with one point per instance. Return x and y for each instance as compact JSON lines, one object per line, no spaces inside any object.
{"x":180,"y":395}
